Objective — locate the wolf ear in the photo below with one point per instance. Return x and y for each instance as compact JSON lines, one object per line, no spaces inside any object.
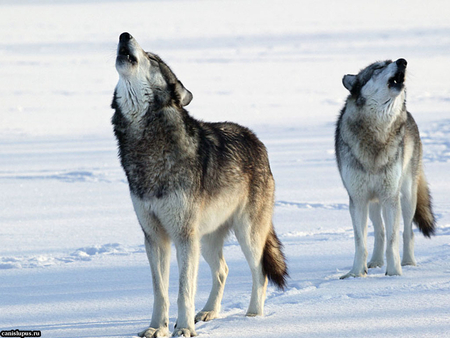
{"x":185,"y":95}
{"x":349,"y":81}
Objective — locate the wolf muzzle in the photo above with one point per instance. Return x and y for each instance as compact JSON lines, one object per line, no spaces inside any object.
{"x":124,"y":54}
{"x":398,"y":80}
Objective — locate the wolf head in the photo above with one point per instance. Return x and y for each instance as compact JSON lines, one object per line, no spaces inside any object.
{"x":145,"y":80}
{"x":379,"y":84}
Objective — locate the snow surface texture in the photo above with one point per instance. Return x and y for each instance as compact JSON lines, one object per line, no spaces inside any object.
{"x":72,"y":261}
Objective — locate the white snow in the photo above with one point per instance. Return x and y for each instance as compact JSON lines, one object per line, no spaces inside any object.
{"x":72,"y":260}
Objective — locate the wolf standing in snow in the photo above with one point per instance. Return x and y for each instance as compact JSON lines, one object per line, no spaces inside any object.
{"x":379,"y":155}
{"x":191,"y":181}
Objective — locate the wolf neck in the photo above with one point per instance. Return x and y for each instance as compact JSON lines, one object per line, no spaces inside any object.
{"x":385,"y":111}
{"x":381,"y":116}
{"x":144,"y":115}
{"x":134,"y":99}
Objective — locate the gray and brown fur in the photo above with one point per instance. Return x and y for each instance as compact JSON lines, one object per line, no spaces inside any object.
{"x":379,"y":156}
{"x":191,"y":182}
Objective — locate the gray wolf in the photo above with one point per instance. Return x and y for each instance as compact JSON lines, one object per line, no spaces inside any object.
{"x":379,"y":156}
{"x":191,"y":183}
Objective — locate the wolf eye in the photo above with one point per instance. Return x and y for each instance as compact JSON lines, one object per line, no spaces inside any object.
{"x":378,"y":69}
{"x":151,"y":57}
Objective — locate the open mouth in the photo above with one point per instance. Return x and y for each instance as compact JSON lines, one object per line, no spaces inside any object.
{"x":397,"y":80}
{"x":124,"y":55}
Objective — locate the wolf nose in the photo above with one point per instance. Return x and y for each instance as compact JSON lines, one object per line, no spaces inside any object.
{"x":125,"y":37}
{"x":401,"y":63}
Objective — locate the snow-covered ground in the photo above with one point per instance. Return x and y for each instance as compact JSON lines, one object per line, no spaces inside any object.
{"x":72,"y":261}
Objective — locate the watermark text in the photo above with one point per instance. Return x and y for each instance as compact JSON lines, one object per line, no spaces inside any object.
{"x":20,"y":333}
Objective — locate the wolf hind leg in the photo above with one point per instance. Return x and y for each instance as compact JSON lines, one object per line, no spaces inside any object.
{"x":359,"y":213}
{"x":377,"y":259}
{"x":408,"y":202}
{"x":212,"y":251}
{"x":252,"y":243}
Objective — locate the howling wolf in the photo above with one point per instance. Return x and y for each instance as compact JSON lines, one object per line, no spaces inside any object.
{"x":379,"y":155}
{"x":191,"y":182}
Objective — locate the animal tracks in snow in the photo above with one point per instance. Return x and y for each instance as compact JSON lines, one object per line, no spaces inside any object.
{"x":81,"y":254}
{"x":71,"y":176}
{"x":328,"y":206}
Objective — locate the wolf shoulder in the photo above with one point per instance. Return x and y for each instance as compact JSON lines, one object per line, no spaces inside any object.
{"x":233,"y":139}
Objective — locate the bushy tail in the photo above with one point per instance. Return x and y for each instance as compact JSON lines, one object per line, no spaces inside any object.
{"x":273,"y":261}
{"x":424,"y":217}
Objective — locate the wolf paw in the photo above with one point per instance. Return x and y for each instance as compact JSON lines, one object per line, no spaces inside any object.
{"x":409,"y":262}
{"x":184,"y":333}
{"x":375,"y":264}
{"x":152,"y":332}
{"x":354,"y":274}
{"x":205,"y":316}
{"x":394,"y":271}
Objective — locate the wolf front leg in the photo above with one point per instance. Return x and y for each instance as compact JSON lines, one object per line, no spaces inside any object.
{"x":408,"y":203}
{"x":391,"y":214}
{"x":157,"y":246}
{"x":359,"y":213}
{"x":188,"y":255}
{"x":158,"y":253}
{"x":377,"y":259}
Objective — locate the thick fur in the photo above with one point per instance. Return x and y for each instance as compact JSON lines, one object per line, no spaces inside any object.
{"x":191,"y":182}
{"x":274,"y":261}
{"x":424,"y":217}
{"x":379,"y":156}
